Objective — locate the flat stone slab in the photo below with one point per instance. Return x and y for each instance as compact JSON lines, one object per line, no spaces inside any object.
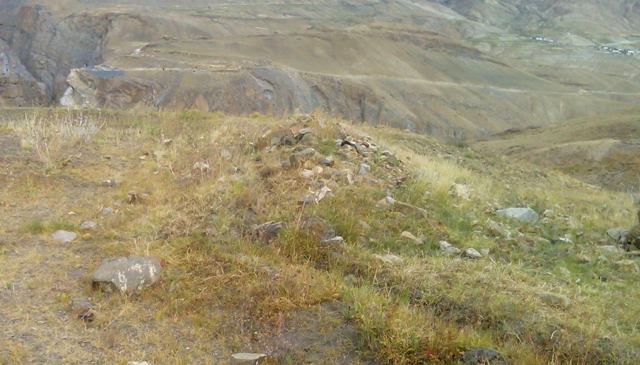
{"x":128,"y":275}
{"x":64,"y":236}
{"x":247,"y":358}
{"x":525,"y":215}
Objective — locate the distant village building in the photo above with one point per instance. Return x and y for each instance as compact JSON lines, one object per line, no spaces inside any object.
{"x":4,"y":64}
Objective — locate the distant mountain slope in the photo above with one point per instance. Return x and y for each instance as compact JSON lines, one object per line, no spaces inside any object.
{"x":453,"y":69}
{"x":604,"y":151}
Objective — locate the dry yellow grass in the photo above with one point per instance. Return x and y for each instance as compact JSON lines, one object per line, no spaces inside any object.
{"x":297,"y":299}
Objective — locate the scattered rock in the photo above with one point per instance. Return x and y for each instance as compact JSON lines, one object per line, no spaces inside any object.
{"x":316,"y":197}
{"x":389,"y":259}
{"x":300,"y":157}
{"x":472,"y":253}
{"x":460,"y":191}
{"x":484,"y":357}
{"x":449,"y":248}
{"x":109,"y":183}
{"x":139,"y":363}
{"x":619,"y":235}
{"x":62,"y":236}
{"x":246,"y":358}
{"x":411,"y":237}
{"x":385,"y":203}
{"x":107,"y":211}
{"x":83,"y":309}
{"x":497,"y":229}
{"x":127,"y":274}
{"x":337,"y":240}
{"x":555,"y":300}
{"x":328,"y":161}
{"x":525,"y":215}
{"x":201,"y":166}
{"x":268,"y":231}
{"x":364,"y":169}
{"x":89,"y":226}
{"x":485,"y":251}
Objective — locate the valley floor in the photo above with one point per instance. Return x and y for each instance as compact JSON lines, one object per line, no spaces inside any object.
{"x":359,"y":272}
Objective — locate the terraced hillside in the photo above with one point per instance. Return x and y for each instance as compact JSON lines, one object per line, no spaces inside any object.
{"x":441,"y":68}
{"x":301,"y":240}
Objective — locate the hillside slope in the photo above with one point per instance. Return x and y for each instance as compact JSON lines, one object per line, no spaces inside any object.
{"x":430,"y":67}
{"x":603,"y":151}
{"x":311,"y":240}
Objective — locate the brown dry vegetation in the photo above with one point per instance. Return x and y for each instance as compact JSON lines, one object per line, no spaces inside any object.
{"x":295,"y":298}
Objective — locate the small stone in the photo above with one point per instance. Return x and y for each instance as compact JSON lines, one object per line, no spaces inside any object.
{"x":385,"y":203}
{"x":89,"y":226}
{"x":109,"y":183}
{"x":266,"y":232}
{"x":555,"y":300}
{"x":449,"y":248}
{"x":139,"y":363}
{"x":83,"y":309}
{"x":484,"y":357}
{"x":525,"y":215}
{"x":485,"y":251}
{"x":127,"y":274}
{"x":389,"y":259}
{"x":328,"y":161}
{"x":619,"y":235}
{"x":107,"y":211}
{"x":247,"y":358}
{"x":364,"y":169}
{"x":201,"y":166}
{"x":497,"y":229}
{"x":334,"y":240}
{"x":62,"y":236}
{"x":472,"y":253}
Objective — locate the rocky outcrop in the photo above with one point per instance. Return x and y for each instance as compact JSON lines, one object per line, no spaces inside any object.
{"x":38,"y":49}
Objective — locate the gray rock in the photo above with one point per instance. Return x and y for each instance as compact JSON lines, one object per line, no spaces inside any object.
{"x":485,"y":251}
{"x":246,"y":358}
{"x":484,"y":357}
{"x":64,"y":236}
{"x":364,"y":169}
{"x":89,"y":226}
{"x":472,"y":253}
{"x":268,"y":231}
{"x":385,"y":203}
{"x":449,"y":248}
{"x":337,"y":240}
{"x":525,"y":215}
{"x":127,"y":274}
{"x":328,"y":161}
{"x":139,"y":363}
{"x":619,"y":235}
{"x":107,"y":211}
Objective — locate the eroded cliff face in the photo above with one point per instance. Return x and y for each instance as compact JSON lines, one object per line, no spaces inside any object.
{"x":38,"y":49}
{"x":417,"y":66}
